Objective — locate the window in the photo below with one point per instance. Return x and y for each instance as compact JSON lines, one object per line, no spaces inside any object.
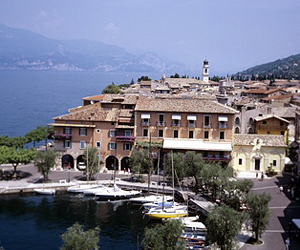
{"x":67,"y":122}
{"x":98,"y":130}
{"x":206,"y":134}
{"x":237,"y":130}
{"x":67,"y":144}
{"x":281,"y":123}
{"x":265,"y":122}
{"x":127,"y":146}
{"x":161,"y":119}
{"x":145,"y":122}
{"x":160,"y":133}
{"x":175,"y":133}
{"x":67,"y":131}
{"x":112,"y":123}
{"x":237,"y":121}
{"x":240,"y":161}
{"x":191,"y":134}
{"x":82,"y":144}
{"x":112,"y":133}
{"x":98,"y":144}
{"x":274,"y":163}
{"x":127,"y":133}
{"x":206,"y":121}
{"x":222,"y":135}
{"x":83,"y":131}
{"x":82,"y":122}
{"x":112,"y":146}
{"x":145,"y":132}
{"x":282,"y":132}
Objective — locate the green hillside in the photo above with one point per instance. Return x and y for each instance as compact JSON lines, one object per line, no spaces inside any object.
{"x":287,"y":68}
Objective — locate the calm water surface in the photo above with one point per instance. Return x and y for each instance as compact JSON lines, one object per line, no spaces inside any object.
{"x":36,"y":222}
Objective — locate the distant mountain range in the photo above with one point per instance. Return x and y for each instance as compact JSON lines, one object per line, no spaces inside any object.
{"x":26,"y":50}
{"x":286,"y":68}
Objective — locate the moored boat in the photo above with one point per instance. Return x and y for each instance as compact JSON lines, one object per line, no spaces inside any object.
{"x":174,"y":211}
{"x":80,"y":188}
{"x":115,"y":193}
{"x":149,"y":198}
{"x":45,"y":191}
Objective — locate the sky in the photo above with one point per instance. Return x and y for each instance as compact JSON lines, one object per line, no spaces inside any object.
{"x":232,"y":35}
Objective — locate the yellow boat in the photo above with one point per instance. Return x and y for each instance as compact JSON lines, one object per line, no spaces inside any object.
{"x":166,"y":213}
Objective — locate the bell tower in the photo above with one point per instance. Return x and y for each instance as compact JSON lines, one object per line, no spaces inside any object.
{"x":205,"y":71}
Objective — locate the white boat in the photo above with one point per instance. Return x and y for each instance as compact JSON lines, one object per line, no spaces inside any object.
{"x":47,"y":191}
{"x":194,"y":234}
{"x":94,"y":190}
{"x":150,"y":198}
{"x":115,"y":193}
{"x":80,"y":188}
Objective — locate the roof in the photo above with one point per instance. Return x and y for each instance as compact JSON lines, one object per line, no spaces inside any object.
{"x":94,"y":97}
{"x":277,"y":97}
{"x":193,"y":144}
{"x":270,"y":91}
{"x":284,"y":112}
{"x":255,"y":91}
{"x":91,"y":114}
{"x":183,"y":105}
{"x":116,"y":98}
{"x":268,"y":140}
{"x":266,"y":117}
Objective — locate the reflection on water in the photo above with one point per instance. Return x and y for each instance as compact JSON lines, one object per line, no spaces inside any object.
{"x":36,"y":222}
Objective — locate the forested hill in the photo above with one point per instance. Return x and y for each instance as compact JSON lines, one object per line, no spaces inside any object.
{"x":286,"y":68}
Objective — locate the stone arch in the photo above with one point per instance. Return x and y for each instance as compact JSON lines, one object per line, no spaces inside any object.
{"x":237,"y":121}
{"x":111,"y":161}
{"x":237,"y":130}
{"x":250,"y":131}
{"x":67,"y":161}
{"x":125,"y":162}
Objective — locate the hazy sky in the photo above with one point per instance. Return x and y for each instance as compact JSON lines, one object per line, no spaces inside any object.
{"x":232,"y":34}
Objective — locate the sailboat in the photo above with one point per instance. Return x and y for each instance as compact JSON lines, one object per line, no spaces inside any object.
{"x":164,"y":212}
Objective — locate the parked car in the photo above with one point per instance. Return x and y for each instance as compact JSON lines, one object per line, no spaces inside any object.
{"x":81,"y":166}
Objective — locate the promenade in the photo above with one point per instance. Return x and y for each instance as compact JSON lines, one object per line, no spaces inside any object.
{"x":282,"y":208}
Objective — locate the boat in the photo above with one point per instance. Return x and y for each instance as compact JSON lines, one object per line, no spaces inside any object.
{"x":149,"y":205}
{"x":93,"y":191}
{"x":173,"y":211}
{"x":45,"y":191}
{"x":149,"y":198}
{"x":80,"y":188}
{"x":194,"y":234}
{"x":115,"y":193}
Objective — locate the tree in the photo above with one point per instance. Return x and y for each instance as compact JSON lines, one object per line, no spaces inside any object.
{"x":91,"y":160}
{"x":140,"y":160}
{"x":144,"y":78}
{"x":164,"y":236}
{"x":111,"y":89}
{"x":44,"y":161}
{"x":178,"y":164}
{"x":223,"y":224}
{"x":75,"y":238}
{"x":39,"y":134}
{"x":257,"y":208}
{"x":194,"y":166}
{"x":16,"y":156}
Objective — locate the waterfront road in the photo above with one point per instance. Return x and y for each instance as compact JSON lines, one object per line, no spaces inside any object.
{"x":282,"y":210}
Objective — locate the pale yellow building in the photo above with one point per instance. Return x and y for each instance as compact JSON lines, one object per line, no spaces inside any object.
{"x":256,"y":152}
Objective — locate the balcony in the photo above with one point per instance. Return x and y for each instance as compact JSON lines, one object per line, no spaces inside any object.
{"x":206,"y":125}
{"x":125,"y":138}
{"x":191,"y":125}
{"x":160,"y":124}
{"x":222,"y":125}
{"x":59,"y":147}
{"x":176,"y":124}
{"x":62,"y":136}
{"x":145,"y":124}
{"x":217,"y":158}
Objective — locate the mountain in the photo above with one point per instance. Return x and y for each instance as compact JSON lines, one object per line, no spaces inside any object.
{"x":286,"y":68}
{"x":26,"y":50}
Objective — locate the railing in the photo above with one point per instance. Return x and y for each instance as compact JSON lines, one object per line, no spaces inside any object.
{"x":217,"y":158}
{"x":176,"y":124}
{"x":191,"y":125}
{"x":161,"y":123}
{"x":145,"y":124}
{"x":125,"y":138}
{"x":206,"y":125}
{"x":62,"y":136}
{"x":222,"y":125}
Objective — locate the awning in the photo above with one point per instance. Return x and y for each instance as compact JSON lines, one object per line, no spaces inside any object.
{"x":145,"y":116}
{"x":223,"y":119}
{"x":176,"y":117}
{"x":71,"y":125}
{"x":192,"y":144}
{"x":192,"y":117}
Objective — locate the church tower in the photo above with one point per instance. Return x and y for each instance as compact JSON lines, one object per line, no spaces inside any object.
{"x":205,"y":71}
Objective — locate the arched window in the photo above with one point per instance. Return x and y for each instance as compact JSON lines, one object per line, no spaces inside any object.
{"x":251,"y":121}
{"x":237,"y":121}
{"x":237,"y":130}
{"x":250,"y":131}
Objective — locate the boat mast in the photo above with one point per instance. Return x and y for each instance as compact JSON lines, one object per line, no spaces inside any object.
{"x":172,"y":174}
{"x":149,"y":165}
{"x":158,"y":160}
{"x":87,"y":161}
{"x":163,"y":198}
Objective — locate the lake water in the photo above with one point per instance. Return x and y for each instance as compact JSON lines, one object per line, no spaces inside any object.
{"x":36,"y":222}
{"x":32,"y":98}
